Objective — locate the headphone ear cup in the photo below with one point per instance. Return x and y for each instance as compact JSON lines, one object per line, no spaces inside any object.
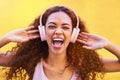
{"x":75,"y":34}
{"x":42,"y":33}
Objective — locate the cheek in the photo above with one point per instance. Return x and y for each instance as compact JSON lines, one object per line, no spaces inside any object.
{"x":48,"y":38}
{"x":68,"y":35}
{"x":49,"y":34}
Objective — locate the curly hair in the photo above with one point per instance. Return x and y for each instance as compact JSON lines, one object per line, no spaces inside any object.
{"x":86,"y":63}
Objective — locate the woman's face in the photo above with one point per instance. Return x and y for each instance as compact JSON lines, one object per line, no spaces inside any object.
{"x":58,"y":32}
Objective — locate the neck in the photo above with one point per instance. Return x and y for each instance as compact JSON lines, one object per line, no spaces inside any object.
{"x":57,"y":60}
{"x":56,"y":65}
{"x":54,"y":59}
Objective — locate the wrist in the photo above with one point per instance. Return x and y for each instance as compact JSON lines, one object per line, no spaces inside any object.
{"x":108,"y":45}
{"x":6,"y":38}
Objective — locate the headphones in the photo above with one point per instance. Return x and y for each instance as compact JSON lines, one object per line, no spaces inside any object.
{"x":74,"y":35}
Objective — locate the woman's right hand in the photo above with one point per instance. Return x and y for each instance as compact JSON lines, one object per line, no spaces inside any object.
{"x":19,"y":35}
{"x":22,"y":35}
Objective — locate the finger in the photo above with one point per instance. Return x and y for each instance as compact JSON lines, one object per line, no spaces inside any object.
{"x":34,"y":37}
{"x":80,"y":36}
{"x":30,"y":35}
{"x":24,"y":40}
{"x":32,"y":31}
{"x":85,"y":34}
{"x":29,"y":28}
{"x":82,"y":41}
{"x":84,"y":38}
{"x":29,"y":38}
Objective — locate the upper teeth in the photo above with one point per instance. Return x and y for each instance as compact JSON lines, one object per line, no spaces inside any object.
{"x":58,"y":39}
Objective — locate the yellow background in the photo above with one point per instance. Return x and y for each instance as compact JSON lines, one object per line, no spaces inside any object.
{"x":100,"y":16}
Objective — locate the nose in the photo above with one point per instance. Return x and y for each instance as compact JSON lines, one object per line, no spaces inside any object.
{"x":59,"y":31}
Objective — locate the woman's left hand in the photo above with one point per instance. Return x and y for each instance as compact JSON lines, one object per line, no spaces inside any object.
{"x":92,"y":41}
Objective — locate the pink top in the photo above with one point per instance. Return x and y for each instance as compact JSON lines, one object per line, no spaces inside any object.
{"x":40,"y":75}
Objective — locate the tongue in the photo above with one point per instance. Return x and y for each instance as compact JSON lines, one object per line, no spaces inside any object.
{"x":57,"y":44}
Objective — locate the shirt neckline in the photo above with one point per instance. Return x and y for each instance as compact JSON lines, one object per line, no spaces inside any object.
{"x":44,"y":77}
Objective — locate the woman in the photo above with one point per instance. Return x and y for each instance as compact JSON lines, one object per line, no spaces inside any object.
{"x":57,"y":58}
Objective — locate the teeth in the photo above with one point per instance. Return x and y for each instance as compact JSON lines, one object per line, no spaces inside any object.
{"x":58,"y":39}
{"x":57,"y":42}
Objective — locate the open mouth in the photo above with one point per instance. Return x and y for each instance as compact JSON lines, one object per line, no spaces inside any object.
{"x":57,"y":42}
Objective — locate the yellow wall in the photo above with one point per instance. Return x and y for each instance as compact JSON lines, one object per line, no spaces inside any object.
{"x":100,"y":16}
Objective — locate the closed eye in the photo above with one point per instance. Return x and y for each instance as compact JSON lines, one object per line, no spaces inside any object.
{"x":51,"y":26}
{"x":66,"y":27}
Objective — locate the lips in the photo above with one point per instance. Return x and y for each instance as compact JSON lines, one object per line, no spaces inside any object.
{"x":57,"y":42}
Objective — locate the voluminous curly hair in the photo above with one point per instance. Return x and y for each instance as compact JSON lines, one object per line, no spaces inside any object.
{"x":86,"y":63}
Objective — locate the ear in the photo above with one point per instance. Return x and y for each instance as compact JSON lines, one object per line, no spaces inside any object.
{"x":42,"y":33}
{"x":75,"y":34}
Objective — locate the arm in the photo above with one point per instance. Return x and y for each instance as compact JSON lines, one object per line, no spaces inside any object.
{"x":19,"y":35}
{"x":3,"y":41}
{"x":112,"y":65}
{"x":5,"y":58}
{"x":94,"y":42}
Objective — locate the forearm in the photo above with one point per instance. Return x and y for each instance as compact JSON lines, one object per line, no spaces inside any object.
{"x":5,"y":58}
{"x":114,"y":49}
{"x":4,"y":40}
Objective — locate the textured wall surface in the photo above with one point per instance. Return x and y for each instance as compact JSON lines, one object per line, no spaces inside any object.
{"x":100,"y":16}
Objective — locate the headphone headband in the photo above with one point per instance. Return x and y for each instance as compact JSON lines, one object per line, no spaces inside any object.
{"x":77,"y":25}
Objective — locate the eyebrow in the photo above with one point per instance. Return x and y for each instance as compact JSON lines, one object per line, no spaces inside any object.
{"x":62,"y":24}
{"x":52,"y":23}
